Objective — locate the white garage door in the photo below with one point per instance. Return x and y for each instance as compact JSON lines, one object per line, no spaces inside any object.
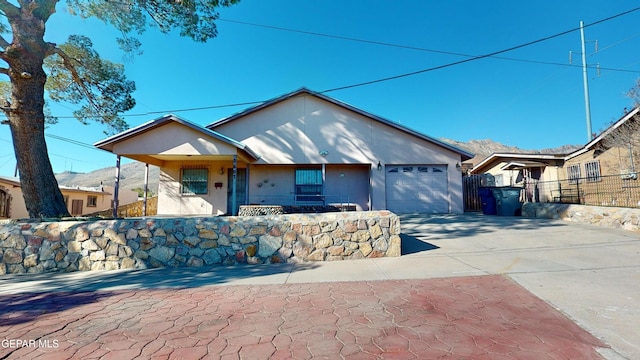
{"x":417,"y":189}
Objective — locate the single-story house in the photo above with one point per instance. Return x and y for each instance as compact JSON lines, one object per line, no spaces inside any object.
{"x":510,"y":169}
{"x":301,"y":148}
{"x":613,"y":152}
{"x":79,"y":200}
{"x":579,"y":176}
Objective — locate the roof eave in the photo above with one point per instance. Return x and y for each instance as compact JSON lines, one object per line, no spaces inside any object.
{"x":107,"y":144}
{"x":599,"y":138}
{"x":465,"y":155}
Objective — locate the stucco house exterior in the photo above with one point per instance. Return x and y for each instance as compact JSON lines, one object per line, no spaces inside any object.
{"x":79,"y":200}
{"x":301,"y":148}
{"x":510,"y":169}
{"x":601,"y":172}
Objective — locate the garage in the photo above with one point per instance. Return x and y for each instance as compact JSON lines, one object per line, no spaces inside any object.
{"x":417,"y":189}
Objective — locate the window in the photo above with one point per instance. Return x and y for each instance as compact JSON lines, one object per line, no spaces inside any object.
{"x":309,"y":184}
{"x":573,"y":173}
{"x":194,"y":181}
{"x":92,"y":201}
{"x":593,"y":171}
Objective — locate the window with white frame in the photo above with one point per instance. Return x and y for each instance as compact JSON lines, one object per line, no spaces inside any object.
{"x":309,"y":184}
{"x":573,"y":173}
{"x":593,"y":171}
{"x":194,"y":181}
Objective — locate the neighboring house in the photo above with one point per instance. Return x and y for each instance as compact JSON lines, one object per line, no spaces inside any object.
{"x":524,"y":170}
{"x":613,"y":152}
{"x":11,"y":201}
{"x":510,"y":169}
{"x":597,"y":173}
{"x":79,"y":200}
{"x":302,"y":148}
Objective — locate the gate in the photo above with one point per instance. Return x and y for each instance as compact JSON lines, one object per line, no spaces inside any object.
{"x":470,"y":184}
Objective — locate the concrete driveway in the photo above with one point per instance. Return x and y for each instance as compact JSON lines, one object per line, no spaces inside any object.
{"x":591,"y":274}
{"x":588,"y":273}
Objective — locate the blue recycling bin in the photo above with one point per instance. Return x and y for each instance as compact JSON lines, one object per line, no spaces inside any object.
{"x":508,"y":201}
{"x":487,"y":201}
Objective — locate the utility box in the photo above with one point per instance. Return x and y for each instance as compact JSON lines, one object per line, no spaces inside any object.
{"x":508,"y":201}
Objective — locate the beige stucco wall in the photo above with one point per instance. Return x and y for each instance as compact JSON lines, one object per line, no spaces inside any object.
{"x":550,"y":173}
{"x":103,"y":201}
{"x":171,"y":202}
{"x":17,"y":210}
{"x":172,"y":139}
{"x":296,"y":131}
{"x":275,"y":184}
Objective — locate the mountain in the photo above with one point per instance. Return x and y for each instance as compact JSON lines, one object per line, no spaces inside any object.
{"x":131,"y":177}
{"x":486,"y":147}
{"x":132,"y":174}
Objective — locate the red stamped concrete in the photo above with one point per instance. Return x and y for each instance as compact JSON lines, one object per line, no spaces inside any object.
{"x":488,"y":317}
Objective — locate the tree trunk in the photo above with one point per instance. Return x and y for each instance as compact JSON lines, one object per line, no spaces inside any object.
{"x":25,"y":57}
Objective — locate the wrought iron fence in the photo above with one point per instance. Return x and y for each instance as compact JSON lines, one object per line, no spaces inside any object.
{"x":612,"y":190}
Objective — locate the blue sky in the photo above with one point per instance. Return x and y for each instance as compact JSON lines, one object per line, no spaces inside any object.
{"x":517,"y":101}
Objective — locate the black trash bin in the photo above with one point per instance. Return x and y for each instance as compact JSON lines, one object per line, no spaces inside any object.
{"x":508,"y":201}
{"x":487,"y":201}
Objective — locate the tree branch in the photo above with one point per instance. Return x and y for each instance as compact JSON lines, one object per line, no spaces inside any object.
{"x":9,"y":9}
{"x":68,"y":64}
{"x":3,"y":42}
{"x":4,"y":71}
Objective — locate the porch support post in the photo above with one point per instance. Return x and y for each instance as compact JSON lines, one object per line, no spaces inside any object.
{"x":146,"y":189}
{"x":116,"y":187}
{"x":234,"y":186}
{"x":324,"y":181}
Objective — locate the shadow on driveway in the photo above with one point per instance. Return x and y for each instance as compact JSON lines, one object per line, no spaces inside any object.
{"x":469,"y":224}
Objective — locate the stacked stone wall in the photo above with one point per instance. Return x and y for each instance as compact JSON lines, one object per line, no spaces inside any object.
{"x":612,"y":217}
{"x":37,"y":247}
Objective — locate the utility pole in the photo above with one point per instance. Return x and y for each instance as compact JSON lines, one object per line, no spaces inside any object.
{"x":587,"y":106}
{"x":585,"y":79}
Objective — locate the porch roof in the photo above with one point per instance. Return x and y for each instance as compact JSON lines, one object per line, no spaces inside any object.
{"x":520,"y":158}
{"x":519,"y":165}
{"x":181,"y":143}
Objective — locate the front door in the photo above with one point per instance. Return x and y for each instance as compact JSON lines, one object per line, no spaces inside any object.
{"x":241,"y":190}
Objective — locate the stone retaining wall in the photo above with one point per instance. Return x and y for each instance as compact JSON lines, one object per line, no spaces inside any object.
{"x":36,"y":247}
{"x":613,"y":217}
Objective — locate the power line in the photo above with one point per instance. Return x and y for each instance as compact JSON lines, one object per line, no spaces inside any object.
{"x":72,"y":141}
{"x":471,"y":58}
{"x":439,"y":67}
{"x":374,"y":42}
{"x":618,"y":42}
{"x":476,"y":57}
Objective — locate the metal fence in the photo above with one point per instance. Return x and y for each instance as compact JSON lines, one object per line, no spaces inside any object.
{"x":613,"y":190}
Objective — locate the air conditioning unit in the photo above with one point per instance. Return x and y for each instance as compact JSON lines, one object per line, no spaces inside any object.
{"x":629,"y":175}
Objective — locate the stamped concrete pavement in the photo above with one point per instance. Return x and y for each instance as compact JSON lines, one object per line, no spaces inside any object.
{"x":462,"y":289}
